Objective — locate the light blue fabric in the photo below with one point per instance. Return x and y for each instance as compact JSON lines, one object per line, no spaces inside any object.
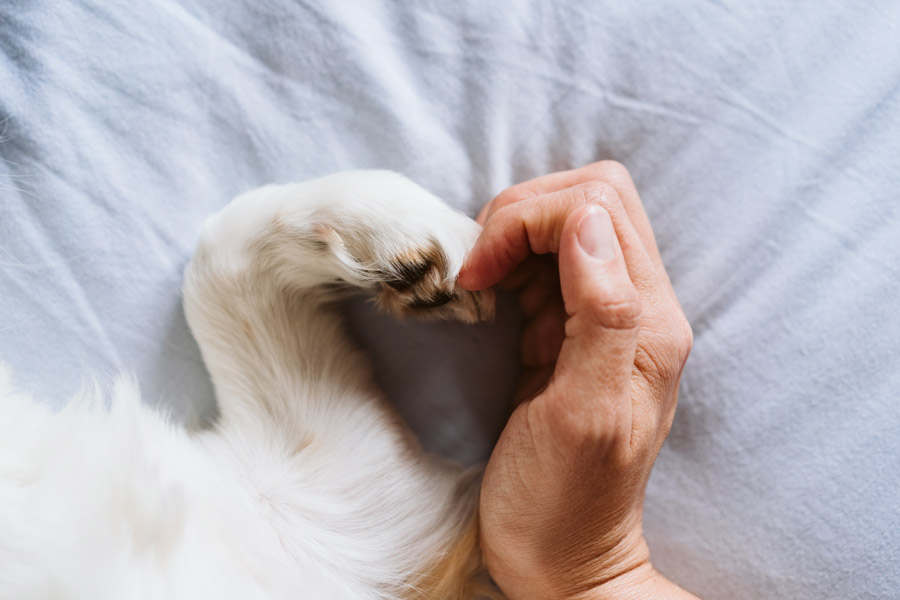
{"x":764,"y":137}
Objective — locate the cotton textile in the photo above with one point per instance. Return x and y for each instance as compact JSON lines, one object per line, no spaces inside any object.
{"x":763,"y":136}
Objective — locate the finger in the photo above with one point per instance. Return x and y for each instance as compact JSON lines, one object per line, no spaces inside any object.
{"x":595,"y":363}
{"x":543,"y":335}
{"x":538,"y":290}
{"x":525,"y":273}
{"x":607,"y":171}
{"x":485,"y":211}
{"x":535,"y":226}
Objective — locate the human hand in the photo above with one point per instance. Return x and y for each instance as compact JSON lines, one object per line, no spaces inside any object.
{"x":603,"y":349}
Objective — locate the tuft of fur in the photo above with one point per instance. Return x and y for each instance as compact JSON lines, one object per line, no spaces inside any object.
{"x":308,"y":485}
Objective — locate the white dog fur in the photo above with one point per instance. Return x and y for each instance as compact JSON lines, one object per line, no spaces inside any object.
{"x":308,"y":485}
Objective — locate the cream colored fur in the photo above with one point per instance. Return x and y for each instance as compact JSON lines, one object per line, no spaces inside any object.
{"x":308,"y":485}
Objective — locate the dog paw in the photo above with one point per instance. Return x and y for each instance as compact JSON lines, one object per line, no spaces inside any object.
{"x":419,"y":283}
{"x":370,"y":230}
{"x":404,"y":244}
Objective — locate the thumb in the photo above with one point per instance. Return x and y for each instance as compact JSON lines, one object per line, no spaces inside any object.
{"x":603,"y":308}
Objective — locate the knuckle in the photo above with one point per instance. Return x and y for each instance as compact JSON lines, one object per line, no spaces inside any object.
{"x":511,"y":195}
{"x":598,"y":192}
{"x":622,"y":311}
{"x":612,"y":170}
{"x":664,"y":355}
{"x":682,"y":340}
{"x":678,"y":338}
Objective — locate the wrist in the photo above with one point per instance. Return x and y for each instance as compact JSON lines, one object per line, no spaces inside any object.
{"x":641,"y":583}
{"x":557,"y":575}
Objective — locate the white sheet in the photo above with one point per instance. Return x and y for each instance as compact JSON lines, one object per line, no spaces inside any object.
{"x":763,"y":136}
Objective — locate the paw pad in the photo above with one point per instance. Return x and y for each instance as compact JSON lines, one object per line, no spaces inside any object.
{"x":439,"y":298}
{"x":408,"y":274}
{"x":419,"y":284}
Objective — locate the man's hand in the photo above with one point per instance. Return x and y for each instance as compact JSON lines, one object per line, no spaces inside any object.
{"x":603,"y":350}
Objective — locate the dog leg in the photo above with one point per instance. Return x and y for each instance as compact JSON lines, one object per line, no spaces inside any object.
{"x":259,"y":291}
{"x":259,"y":296}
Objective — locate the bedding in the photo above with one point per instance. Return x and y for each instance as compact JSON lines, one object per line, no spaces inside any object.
{"x":764,"y":138}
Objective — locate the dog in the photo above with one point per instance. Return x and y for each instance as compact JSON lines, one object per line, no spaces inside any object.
{"x":308,"y":485}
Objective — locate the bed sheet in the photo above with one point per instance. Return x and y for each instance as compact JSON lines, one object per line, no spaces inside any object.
{"x":764,"y":137}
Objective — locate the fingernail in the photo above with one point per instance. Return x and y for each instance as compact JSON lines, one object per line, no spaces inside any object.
{"x":597,"y":235}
